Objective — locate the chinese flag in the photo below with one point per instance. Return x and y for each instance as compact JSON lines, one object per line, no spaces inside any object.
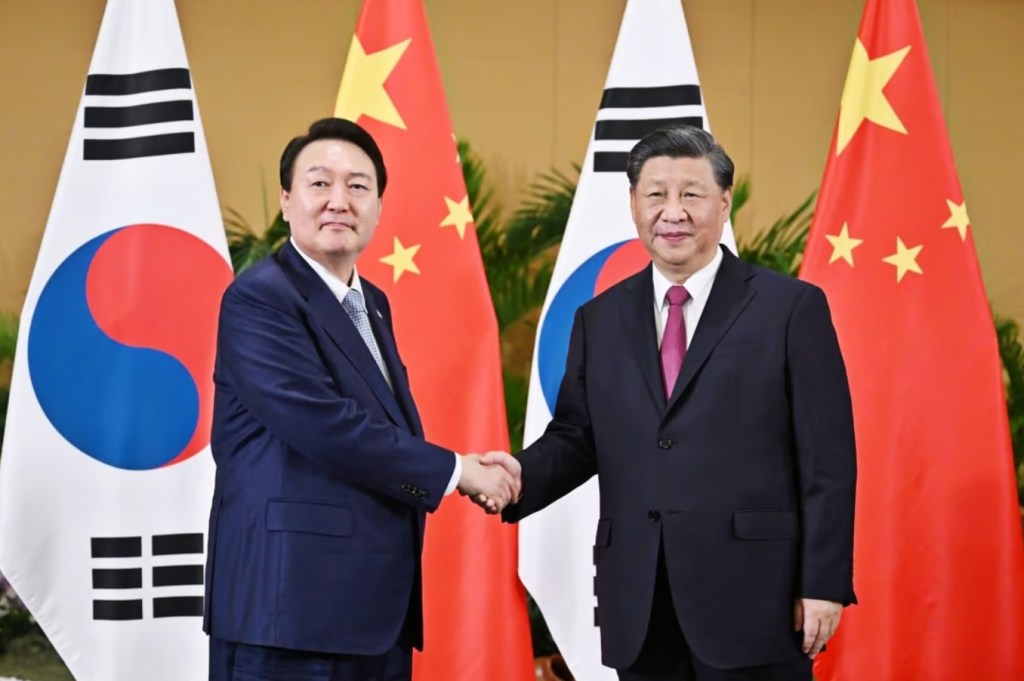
{"x":426,"y":257}
{"x":938,"y":561}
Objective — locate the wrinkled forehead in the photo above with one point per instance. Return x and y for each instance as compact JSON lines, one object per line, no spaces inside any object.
{"x":334,"y":156}
{"x":681,"y":170}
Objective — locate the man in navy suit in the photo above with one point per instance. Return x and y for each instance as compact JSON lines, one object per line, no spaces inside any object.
{"x":323,"y":476}
{"x":710,"y":398}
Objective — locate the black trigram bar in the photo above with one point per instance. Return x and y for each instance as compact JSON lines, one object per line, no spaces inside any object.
{"x":143,"y":114}
{"x":635,"y":129}
{"x":117,"y":610}
{"x":177,"y":575}
{"x":139,"y":147}
{"x":643,"y":97}
{"x":133,"y":83}
{"x":178,"y":606}
{"x":173,"y":544}
{"x":116,"y":547}
{"x":610,"y":161}
{"x":124,"y":578}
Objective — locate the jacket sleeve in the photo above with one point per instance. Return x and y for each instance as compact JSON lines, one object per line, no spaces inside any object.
{"x":825,"y":450}
{"x":266,"y":354}
{"x":563,"y":458}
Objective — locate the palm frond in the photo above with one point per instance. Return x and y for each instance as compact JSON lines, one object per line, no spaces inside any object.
{"x":8,"y":343}
{"x":780,"y":247}
{"x":8,"y":335}
{"x":247,"y":245}
{"x":740,"y":196}
{"x":1011,"y":352}
{"x":540,"y":222}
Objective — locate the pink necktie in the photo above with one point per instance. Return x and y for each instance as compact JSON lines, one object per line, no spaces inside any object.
{"x":673,"y":342}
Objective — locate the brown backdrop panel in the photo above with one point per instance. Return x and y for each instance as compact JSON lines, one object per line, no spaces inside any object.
{"x":523,"y":82}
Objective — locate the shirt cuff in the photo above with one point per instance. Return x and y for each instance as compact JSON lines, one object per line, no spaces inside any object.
{"x":456,"y":474}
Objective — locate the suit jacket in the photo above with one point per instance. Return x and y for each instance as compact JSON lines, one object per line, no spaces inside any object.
{"x":745,"y":474}
{"x":323,"y":476}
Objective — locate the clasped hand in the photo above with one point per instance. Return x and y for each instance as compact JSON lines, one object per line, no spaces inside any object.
{"x":491,"y":481}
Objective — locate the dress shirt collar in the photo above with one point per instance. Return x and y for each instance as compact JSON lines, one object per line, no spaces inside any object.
{"x":339,"y":288}
{"x":698,"y":285}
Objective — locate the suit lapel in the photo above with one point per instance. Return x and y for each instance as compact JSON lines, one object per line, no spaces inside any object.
{"x":642,"y":336}
{"x":730,"y":294}
{"x":329,"y":313}
{"x":389,"y":351}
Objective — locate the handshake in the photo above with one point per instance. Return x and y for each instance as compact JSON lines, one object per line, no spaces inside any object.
{"x":492,"y":481}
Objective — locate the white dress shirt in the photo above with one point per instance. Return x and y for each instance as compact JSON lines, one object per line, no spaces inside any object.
{"x":340,"y":289}
{"x":698,"y":285}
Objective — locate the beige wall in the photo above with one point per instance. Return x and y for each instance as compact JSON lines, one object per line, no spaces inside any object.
{"x":523,"y":81}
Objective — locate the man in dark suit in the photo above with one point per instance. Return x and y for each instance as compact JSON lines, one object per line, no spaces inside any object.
{"x":710,"y":398}
{"x":323,"y":475}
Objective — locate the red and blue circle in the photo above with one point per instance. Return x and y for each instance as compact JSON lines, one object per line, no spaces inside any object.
{"x":122,"y":342}
{"x":599,"y":272}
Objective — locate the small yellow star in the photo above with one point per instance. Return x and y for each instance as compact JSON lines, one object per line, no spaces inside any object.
{"x":958,"y":218}
{"x":362,"y":92}
{"x":904,"y":259}
{"x":843,"y":245}
{"x":458,"y":215}
{"x":863,"y":98}
{"x":402,"y":259}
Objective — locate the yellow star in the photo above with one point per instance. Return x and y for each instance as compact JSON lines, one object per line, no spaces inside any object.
{"x":863,"y":97}
{"x":958,"y":218}
{"x":905,"y":259}
{"x":362,"y":90}
{"x":402,"y":259}
{"x":458,"y":215}
{"x":843,"y":245}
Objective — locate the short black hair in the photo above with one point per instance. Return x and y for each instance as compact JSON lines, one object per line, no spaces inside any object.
{"x":333,"y":129}
{"x":681,"y":141}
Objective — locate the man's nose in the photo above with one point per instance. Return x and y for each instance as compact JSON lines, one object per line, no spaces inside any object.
{"x":338,"y":199}
{"x":674,"y":210}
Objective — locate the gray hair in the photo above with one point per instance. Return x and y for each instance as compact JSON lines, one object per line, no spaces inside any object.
{"x":681,"y":141}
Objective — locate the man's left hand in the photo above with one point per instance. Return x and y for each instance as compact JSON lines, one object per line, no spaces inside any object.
{"x":818,"y":620}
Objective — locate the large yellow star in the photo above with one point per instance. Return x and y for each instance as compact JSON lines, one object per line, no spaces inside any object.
{"x":458,"y":215}
{"x":863,"y":97}
{"x":958,"y":218}
{"x":402,"y":259}
{"x":362,"y":92}
{"x":904,"y":259}
{"x":843,"y":245}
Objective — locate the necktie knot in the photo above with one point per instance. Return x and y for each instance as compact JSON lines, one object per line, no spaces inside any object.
{"x":353,"y":302}
{"x":677,"y":295}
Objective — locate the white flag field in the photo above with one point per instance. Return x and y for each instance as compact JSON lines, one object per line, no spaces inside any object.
{"x":652,"y":82}
{"x":106,"y":475}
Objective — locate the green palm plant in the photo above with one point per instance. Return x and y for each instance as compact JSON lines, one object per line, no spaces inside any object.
{"x":518,"y":256}
{"x":246,"y":244}
{"x":8,"y":342}
{"x":1011,"y":351}
{"x":780,"y":247}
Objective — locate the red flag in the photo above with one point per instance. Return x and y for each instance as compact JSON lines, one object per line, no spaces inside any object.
{"x":938,"y":561}
{"x":426,"y":257}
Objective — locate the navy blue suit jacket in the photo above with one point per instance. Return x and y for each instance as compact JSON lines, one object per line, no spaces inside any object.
{"x":746,"y":473}
{"x":323,"y":476}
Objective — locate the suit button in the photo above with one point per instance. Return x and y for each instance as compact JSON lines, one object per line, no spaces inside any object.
{"x":653,"y":516}
{"x":665,"y":443}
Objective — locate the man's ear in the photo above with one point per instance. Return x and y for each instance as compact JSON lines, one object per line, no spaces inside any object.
{"x":285,"y":200}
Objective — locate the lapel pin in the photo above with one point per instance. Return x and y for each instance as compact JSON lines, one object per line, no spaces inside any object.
{"x":380,"y":315}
